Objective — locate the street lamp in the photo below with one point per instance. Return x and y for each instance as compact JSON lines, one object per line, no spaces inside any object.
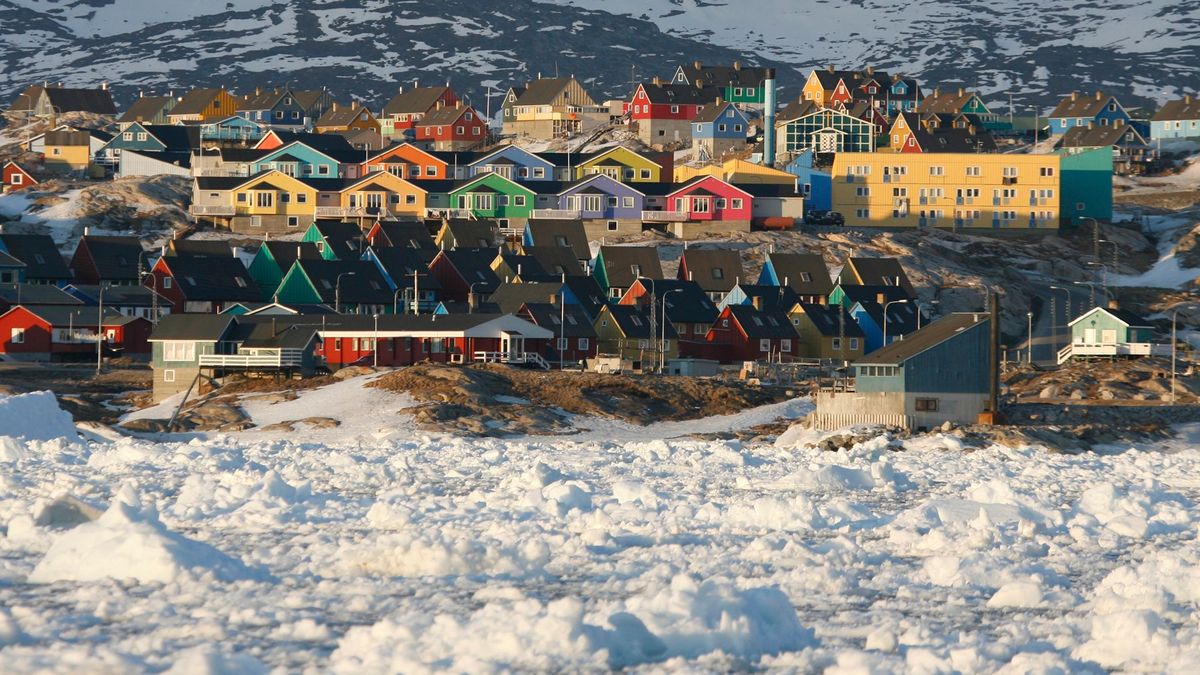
{"x":1174,"y":315}
{"x":662,"y":355}
{"x":396,"y":299}
{"x":1066,"y":312}
{"x":1092,"y":286}
{"x":885,"y":311}
{"x":375,"y":344}
{"x":337,"y":291}
{"x":470,"y":295}
{"x":100,"y":330}
{"x":1029,"y":339}
{"x":1116,"y":252}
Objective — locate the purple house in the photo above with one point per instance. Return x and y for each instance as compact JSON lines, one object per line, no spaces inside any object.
{"x":607,"y":207}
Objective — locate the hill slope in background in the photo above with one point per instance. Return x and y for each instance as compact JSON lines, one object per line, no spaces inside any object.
{"x":1037,"y":50}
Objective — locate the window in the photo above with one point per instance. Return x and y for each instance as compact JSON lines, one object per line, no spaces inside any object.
{"x":836,"y":343}
{"x":937,"y":171}
{"x":862,"y":213}
{"x":292,"y":221}
{"x":539,"y":172}
{"x":862,"y":192}
{"x":721,"y":127}
{"x":644,"y":174}
{"x":927,"y":405}
{"x":627,"y":202}
{"x":460,"y":131}
{"x":718,"y":273}
{"x":127,"y":136}
{"x":17,"y":179}
{"x":142,"y":136}
{"x":612,"y":226}
{"x":721,"y":203}
{"x":853,"y":344}
{"x":168,"y":376}
{"x":735,"y":204}
{"x":1010,"y":172}
{"x":179,"y":351}
{"x":563,"y":343}
{"x":301,"y":198}
{"x":674,"y":108}
{"x":167,"y":282}
{"x":973,"y":171}
{"x":1046,"y":171}
{"x":17,"y":336}
{"x":518,"y":200}
{"x":749,"y":91}
{"x":785,"y":345}
{"x":764,"y":345}
{"x":698,"y":329}
{"x":410,"y":199}
{"x":584,"y":343}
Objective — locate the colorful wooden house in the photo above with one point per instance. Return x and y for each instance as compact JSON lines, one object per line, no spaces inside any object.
{"x":628,"y":332}
{"x":618,"y":267}
{"x":684,"y":304}
{"x":203,"y":105}
{"x":563,"y":233}
{"x":1177,"y":119}
{"x":70,"y":333}
{"x":606,"y":207}
{"x":407,"y":161}
{"x":265,"y":203}
{"x":44,"y":265}
{"x":902,"y":94}
{"x":715,"y":270}
{"x":70,"y":150}
{"x":876,"y":272}
{"x":147,"y":110}
{"x":513,"y":163}
{"x":400,"y":115}
{"x":750,"y":334}
{"x":552,"y":107}
{"x":495,"y":197}
{"x":202,"y":284}
{"x":274,"y":258}
{"x":451,"y":128}
{"x":466,"y":233}
{"x":663,"y":113}
{"x":353,"y":117}
{"x":1086,"y":184}
{"x":276,"y":107}
{"x":300,"y":159}
{"x":369,"y":198}
{"x":465,"y":274}
{"x":704,"y":205}
{"x":830,"y":88}
{"x":349,"y":286}
{"x":574,"y":338}
{"x":959,"y":102}
{"x":740,"y":84}
{"x":414,"y":288}
{"x":110,"y":260}
{"x":1131,"y":152}
{"x":939,"y":132}
{"x":48,"y":100}
{"x":400,"y":234}
{"x":826,"y":332}
{"x":14,"y":177}
{"x":1078,"y":110}
{"x":625,"y":165}
{"x":335,"y":240}
{"x":719,"y":129}
{"x":1107,"y":332}
{"x":12,"y":270}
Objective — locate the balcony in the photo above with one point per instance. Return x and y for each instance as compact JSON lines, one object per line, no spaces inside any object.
{"x":212,"y":210}
{"x":556,"y":214}
{"x":1112,"y":349}
{"x":665,"y":216}
{"x":289,"y":358}
{"x":449,"y":213}
{"x":352,"y":211}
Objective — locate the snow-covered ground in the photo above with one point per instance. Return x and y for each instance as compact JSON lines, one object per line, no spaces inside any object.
{"x":362,"y":552}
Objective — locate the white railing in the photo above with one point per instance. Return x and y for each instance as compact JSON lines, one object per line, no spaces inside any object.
{"x":250,"y":360}
{"x":519,"y":357}
{"x":1111,"y":349}
{"x":557,"y":214}
{"x":449,"y":213}
{"x":214,"y":210}
{"x":664,"y":216}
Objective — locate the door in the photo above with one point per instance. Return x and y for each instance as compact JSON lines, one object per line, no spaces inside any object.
{"x":827,"y":142}
{"x":1089,"y":336}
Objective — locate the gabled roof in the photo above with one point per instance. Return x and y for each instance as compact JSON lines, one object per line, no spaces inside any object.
{"x":285,"y":253}
{"x":341,"y":115}
{"x":870,"y":293}
{"x":362,"y":282}
{"x":1186,"y":108}
{"x":196,"y":101}
{"x":831,"y":320}
{"x":526,"y":266}
{"x":175,"y":136}
{"x":212,"y":279}
{"x":563,"y":233}
{"x":555,"y":260}
{"x":712,"y":112}
{"x":510,"y":297}
{"x":804,"y":273}
{"x":40,"y":255}
{"x":769,"y":297}
{"x":344,"y":238}
{"x":702,"y":178}
{"x":118,"y":296}
{"x":264,"y":99}
{"x":563,"y":320}
{"x":199,"y":247}
{"x":269,"y":332}
{"x":619,"y":262}
{"x":308,"y":98}
{"x":881,"y":272}
{"x":1101,"y":136}
{"x":1081,"y":105}
{"x":7,"y":260}
{"x":714,"y":269}
{"x":192,"y":327}
{"x":145,"y":108}
{"x":415,"y":100}
{"x":758,"y":324}
{"x":928,"y":337}
{"x":404,"y":234}
{"x":114,"y":257}
{"x":795,"y":110}
{"x":950,"y":102}
{"x":482,"y":159}
{"x":951,"y":139}
{"x":680,"y":94}
{"x":67,"y":100}
{"x":720,"y":76}
{"x":399,"y":263}
{"x":79,"y":315}
{"x":474,"y":265}
{"x":68,"y":137}
{"x":901,"y":316}
{"x":36,"y":294}
{"x":472,"y":233}
{"x":685,"y":301}
{"x":634,"y":322}
{"x":543,"y":91}
{"x":445,"y":116}
{"x":588,"y":293}
{"x":829,"y":77}
{"x":1123,"y":315}
{"x":328,"y":144}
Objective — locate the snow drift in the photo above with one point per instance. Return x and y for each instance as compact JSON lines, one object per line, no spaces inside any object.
{"x":35,"y":416}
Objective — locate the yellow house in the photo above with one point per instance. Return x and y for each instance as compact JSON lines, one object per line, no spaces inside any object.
{"x":268,"y":203}
{"x":736,"y":171}
{"x":948,"y":190}
{"x":381,"y":194}
{"x":621,"y":163}
{"x":203,"y":105}
{"x":67,"y":150}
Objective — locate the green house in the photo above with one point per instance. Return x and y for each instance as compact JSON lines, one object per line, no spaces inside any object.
{"x":1110,"y":332}
{"x":178,"y":342}
{"x":351,"y":286}
{"x":494,"y":196}
{"x":335,"y":240}
{"x":1085,"y":188}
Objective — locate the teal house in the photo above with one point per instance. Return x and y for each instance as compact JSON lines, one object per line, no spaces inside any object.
{"x":1109,"y":332}
{"x":1085,"y":188}
{"x":274,"y":259}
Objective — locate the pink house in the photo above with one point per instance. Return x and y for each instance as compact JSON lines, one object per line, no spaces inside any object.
{"x":708,"y":198}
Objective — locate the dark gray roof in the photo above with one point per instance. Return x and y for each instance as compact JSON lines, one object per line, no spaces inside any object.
{"x":341,"y":115}
{"x":929,"y":336}
{"x":686,"y":301}
{"x":715,"y":269}
{"x":115,"y":258}
{"x":7,"y":260}
{"x":619,"y":262}
{"x":736,"y":74}
{"x":634,"y":322}
{"x":399,"y":263}
{"x":36,"y":294}
{"x":827,"y":321}
{"x":365,"y":286}
{"x":881,"y":272}
{"x":544,"y":91}
{"x":712,"y":112}
{"x":145,"y":109}
{"x":199,"y":247}
{"x":1102,"y":136}
{"x":123,"y":296}
{"x":870,"y":293}
{"x":344,"y":238}
{"x":680,"y":94}
{"x":65,"y":315}
{"x":473,"y":233}
{"x":563,"y":320}
{"x":901,"y":316}
{"x":192,"y":327}
{"x":509,"y":297}
{"x":568,"y":233}
{"x":406,"y":234}
{"x":474,"y":265}
{"x":1081,"y":105}
{"x":770,"y":297}
{"x":1127,"y":317}
{"x":588,"y":293}
{"x":67,"y":100}
{"x":195,"y":101}
{"x":555,"y":260}
{"x":805,"y":273}
{"x":212,"y":279}
{"x":761,"y":323}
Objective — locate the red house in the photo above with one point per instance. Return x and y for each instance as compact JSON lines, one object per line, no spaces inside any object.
{"x":15,"y":178}
{"x":202,"y":284}
{"x":465,"y":273}
{"x":751,"y":334}
{"x":407,"y":108}
{"x":574,"y":336}
{"x":663,"y":113}
{"x":451,"y":129}
{"x":68,"y":333}
{"x":710,"y":198}
{"x":109,"y":260}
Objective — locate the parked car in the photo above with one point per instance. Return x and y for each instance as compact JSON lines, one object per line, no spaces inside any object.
{"x":819,"y":217}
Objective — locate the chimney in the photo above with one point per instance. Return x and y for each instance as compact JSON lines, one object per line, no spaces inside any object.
{"x":1187,"y":99}
{"x":756,"y":301}
{"x":104,"y":86}
{"x":657,"y":81}
{"x":354,"y":105}
{"x":829,"y":67}
{"x":870,"y":71}
{"x":1113,"y":304}
{"x":823,"y":301}
{"x":458,"y":104}
{"x":960,"y":91}
{"x":737,"y":65}
{"x":696,"y":65}
{"x":1099,"y":95}
{"x":880,"y":298}
{"x":719,"y":101}
{"x":335,"y":105}
{"x":1090,"y":124}
{"x":1074,"y":95}
{"x":440,"y":103}
{"x":554,"y":298}
{"x":471,"y":300}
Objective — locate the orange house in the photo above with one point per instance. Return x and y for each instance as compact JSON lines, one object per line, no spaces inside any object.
{"x":407,"y":161}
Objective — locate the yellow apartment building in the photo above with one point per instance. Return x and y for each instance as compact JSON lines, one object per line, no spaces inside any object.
{"x":948,"y":190}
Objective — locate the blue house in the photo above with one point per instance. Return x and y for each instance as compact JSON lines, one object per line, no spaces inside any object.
{"x":903,"y":95}
{"x":1077,"y":110}
{"x":766,"y":297}
{"x":276,"y":108}
{"x":514,"y":164}
{"x":155,"y":138}
{"x":300,"y":160}
{"x":234,"y":128}
{"x":719,"y":129}
{"x":815,"y":185}
{"x":1177,"y":119}
{"x":902,"y":319}
{"x":398,"y":265}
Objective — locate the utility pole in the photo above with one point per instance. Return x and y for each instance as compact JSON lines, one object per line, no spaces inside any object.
{"x":1174,"y":315}
{"x":100,"y":330}
{"x":1029,"y":339}
{"x":416,"y":306}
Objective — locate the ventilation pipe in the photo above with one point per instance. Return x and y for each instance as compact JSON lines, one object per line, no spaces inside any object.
{"x":769,"y":119}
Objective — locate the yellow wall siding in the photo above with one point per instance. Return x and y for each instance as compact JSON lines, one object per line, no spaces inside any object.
{"x":813,"y":91}
{"x":602,"y":164}
{"x":294,"y":206}
{"x":67,"y":157}
{"x":998,"y":191}
{"x":736,"y":171}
